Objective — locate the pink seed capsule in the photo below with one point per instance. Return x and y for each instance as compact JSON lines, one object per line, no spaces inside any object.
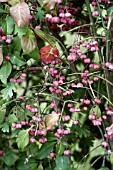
{"x":23,"y":75}
{"x":52,"y":155}
{"x":7,"y":58}
{"x":75,"y":122}
{"x":87,"y":60}
{"x":105,"y":144}
{"x":32,"y":140}
{"x":87,"y":102}
{"x":67,"y":152}
{"x":67,"y":118}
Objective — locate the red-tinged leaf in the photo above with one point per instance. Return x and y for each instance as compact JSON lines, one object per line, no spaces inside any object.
{"x":20,"y":13}
{"x":1,"y":56}
{"x":51,"y":120}
{"x":48,"y":54}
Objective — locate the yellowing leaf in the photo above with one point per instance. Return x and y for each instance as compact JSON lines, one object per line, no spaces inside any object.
{"x":28,"y":42}
{"x":4,"y":0}
{"x":51,"y":120}
{"x":20,"y":13}
{"x":1,"y":56}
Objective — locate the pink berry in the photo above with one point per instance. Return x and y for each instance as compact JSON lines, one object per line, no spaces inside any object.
{"x":97,"y":101}
{"x":75,"y":122}
{"x":87,"y":60}
{"x":66,"y":132}
{"x":21,"y":98}
{"x":95,"y":78}
{"x":38,"y":27}
{"x":14,"y":125}
{"x":70,"y":105}
{"x":56,"y":83}
{"x":53,"y":104}
{"x":52,"y":155}
{"x":23,"y":122}
{"x":2,"y":152}
{"x":28,"y":107}
{"x":72,"y":110}
{"x":60,"y":131}
{"x":13,"y":80}
{"x":9,"y":41}
{"x":18,"y":125}
{"x":4,"y":38}
{"x":38,"y":119}
{"x":7,"y":58}
{"x":41,"y":140}
{"x":87,"y":102}
{"x":104,"y":117}
{"x":19,"y":80}
{"x":67,"y":152}
{"x":105,"y":144}
{"x":67,"y":118}
{"x":32,"y":140}
{"x":23,"y":75}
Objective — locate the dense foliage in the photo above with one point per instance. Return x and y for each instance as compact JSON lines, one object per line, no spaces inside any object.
{"x":56,"y":85}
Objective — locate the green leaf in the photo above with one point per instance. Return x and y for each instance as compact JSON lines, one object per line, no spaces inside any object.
{"x":15,"y":45}
{"x":95,"y":109}
{"x":8,"y":158}
{"x":35,"y":54}
{"x":40,"y":167}
{"x":5,"y":72}
{"x":20,"y":31}
{"x":45,"y":150}
{"x":110,"y":10}
{"x":82,"y":131}
{"x":104,"y":168}
{"x":23,"y":139}
{"x":15,"y":133}
{"x":62,"y":163}
{"x":12,"y":118}
{"x":21,"y":163}
{"x":2,"y":116}
{"x":28,"y":42}
{"x":17,"y":60}
{"x":8,"y":25}
{"x":7,"y":92}
{"x":51,"y":137}
{"x":40,"y":14}
{"x":5,"y":127}
{"x":60,"y":148}
{"x":111,"y":158}
{"x":46,"y":37}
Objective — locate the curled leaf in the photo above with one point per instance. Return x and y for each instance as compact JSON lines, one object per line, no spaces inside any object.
{"x":51,"y":120}
{"x":20,"y":13}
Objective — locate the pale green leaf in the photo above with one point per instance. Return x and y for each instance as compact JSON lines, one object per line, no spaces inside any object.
{"x":5,"y":72}
{"x":7,"y":92}
{"x":62,"y":163}
{"x":23,"y":139}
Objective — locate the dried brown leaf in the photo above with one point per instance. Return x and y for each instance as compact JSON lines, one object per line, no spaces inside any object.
{"x":51,"y":120}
